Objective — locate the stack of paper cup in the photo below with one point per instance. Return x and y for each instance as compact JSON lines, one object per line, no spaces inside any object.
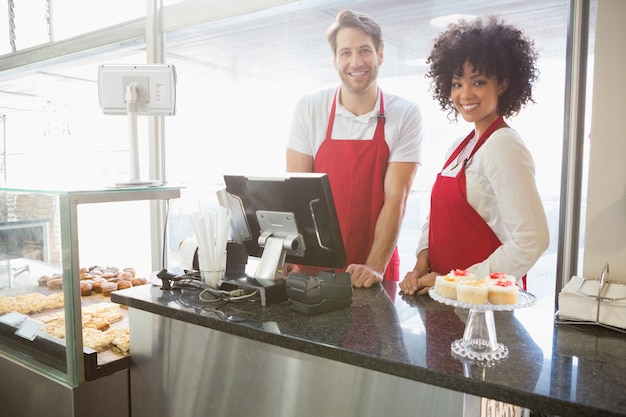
{"x":212,"y":227}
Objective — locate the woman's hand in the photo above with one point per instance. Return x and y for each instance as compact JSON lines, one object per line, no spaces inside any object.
{"x":420,"y":279}
{"x":416,"y":282}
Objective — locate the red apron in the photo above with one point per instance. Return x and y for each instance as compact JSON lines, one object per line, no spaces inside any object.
{"x":458,"y":237}
{"x":356,"y":170}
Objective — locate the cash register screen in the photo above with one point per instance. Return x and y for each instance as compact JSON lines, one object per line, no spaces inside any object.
{"x":303,"y":201}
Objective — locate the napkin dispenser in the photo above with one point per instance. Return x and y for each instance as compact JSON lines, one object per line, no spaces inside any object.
{"x":594,"y":301}
{"x":317,"y":294}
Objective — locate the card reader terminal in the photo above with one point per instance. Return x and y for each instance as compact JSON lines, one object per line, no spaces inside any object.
{"x":325,"y":292}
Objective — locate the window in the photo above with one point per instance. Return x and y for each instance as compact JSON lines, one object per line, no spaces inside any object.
{"x":238,"y":80}
{"x":254,"y":68}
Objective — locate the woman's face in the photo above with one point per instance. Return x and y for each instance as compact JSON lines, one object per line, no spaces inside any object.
{"x":475,"y":96}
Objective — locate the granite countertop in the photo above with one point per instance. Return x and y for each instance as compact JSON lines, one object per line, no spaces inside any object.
{"x":556,"y":369}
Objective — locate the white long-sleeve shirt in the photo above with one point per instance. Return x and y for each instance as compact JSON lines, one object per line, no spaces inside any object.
{"x":501,"y":187}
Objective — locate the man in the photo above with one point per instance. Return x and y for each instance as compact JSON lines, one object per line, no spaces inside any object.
{"x":369,"y":144}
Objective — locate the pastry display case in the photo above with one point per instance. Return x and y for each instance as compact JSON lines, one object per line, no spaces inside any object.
{"x":56,"y":317}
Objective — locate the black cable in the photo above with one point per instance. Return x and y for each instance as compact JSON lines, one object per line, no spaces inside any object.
{"x":165,"y":223}
{"x":237,"y":295}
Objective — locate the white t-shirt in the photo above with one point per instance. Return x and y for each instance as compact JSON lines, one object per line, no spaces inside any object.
{"x":500,"y":181}
{"x":403,"y":125}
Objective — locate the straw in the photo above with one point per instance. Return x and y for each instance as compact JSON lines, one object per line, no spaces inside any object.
{"x":212,"y":228}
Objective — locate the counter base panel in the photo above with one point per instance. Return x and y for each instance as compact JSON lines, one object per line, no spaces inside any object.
{"x":182,"y":369}
{"x":26,"y":393}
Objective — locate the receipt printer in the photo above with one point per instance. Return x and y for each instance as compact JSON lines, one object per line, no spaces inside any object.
{"x":325,"y":292}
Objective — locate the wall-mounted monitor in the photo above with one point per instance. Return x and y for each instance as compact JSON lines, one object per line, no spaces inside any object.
{"x":134,"y":90}
{"x":155,"y":84}
{"x":285,"y":219}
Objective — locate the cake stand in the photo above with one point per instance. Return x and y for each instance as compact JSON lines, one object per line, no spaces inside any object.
{"x":479,"y":342}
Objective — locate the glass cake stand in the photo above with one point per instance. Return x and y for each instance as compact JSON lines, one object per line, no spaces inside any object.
{"x":479,"y":342}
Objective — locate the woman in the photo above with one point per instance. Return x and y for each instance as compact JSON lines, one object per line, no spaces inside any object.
{"x":486,"y":214}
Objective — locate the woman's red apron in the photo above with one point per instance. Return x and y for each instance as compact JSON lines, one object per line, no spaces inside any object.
{"x":458,"y":237}
{"x":356,"y":170}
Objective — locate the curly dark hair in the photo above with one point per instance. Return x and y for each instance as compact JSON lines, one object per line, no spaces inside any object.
{"x":493,"y":48}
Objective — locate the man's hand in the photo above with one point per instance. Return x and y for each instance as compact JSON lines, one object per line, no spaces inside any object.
{"x":364,"y":275}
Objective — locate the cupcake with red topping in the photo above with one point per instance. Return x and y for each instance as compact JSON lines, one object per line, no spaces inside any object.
{"x":502,"y":291}
{"x":446,"y":285}
{"x":500,"y":276}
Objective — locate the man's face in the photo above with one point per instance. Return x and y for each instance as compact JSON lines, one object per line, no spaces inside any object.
{"x":357,"y":60}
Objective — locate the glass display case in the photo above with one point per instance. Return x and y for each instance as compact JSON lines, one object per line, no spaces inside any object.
{"x":56,"y":317}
